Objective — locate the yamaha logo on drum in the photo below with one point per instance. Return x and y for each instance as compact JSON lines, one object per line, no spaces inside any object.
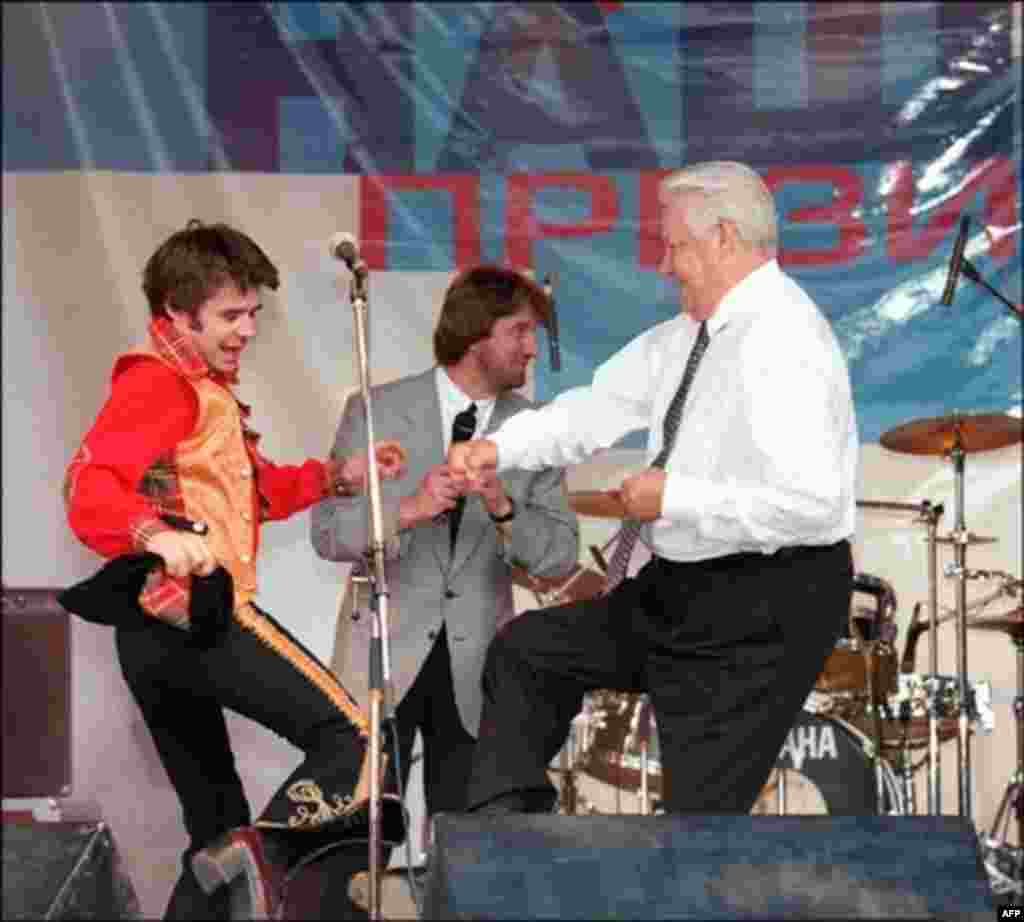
{"x":810,"y":740}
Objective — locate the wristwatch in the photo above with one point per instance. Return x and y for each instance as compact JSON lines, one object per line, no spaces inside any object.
{"x":508,"y":516}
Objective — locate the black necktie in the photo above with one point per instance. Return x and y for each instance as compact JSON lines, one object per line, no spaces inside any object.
{"x":462,"y":429}
{"x":619,"y":563}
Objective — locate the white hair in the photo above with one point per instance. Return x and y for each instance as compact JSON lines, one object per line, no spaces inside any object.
{"x":726,"y":191}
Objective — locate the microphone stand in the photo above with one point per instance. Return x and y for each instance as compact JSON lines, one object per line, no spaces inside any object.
{"x":968,"y":270}
{"x":380,"y":658}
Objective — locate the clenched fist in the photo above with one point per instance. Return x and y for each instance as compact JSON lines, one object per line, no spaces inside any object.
{"x":183,"y":553}
{"x":348,"y":475}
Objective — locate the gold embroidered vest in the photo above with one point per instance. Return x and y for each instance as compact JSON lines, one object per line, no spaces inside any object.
{"x":215,"y":479}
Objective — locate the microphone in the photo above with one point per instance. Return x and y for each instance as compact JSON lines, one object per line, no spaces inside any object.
{"x":955,"y":263}
{"x":554,"y":354}
{"x":345,"y":247}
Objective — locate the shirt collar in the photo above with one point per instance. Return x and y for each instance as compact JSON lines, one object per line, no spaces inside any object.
{"x":177,"y":349}
{"x":451,"y":395}
{"x":742,"y":297}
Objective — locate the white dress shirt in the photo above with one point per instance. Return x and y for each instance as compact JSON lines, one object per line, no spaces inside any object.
{"x":453,"y":402}
{"x":766,"y":452}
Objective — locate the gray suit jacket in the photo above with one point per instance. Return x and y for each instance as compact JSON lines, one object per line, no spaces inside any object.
{"x":470,"y":591}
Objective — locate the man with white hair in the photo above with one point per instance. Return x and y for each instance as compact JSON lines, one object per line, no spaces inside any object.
{"x":748,"y":504}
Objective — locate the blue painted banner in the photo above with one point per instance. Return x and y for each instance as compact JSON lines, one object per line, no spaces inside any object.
{"x":535,"y":134}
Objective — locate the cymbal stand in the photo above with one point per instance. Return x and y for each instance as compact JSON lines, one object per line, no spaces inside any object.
{"x":1008,"y":871}
{"x":640,"y":728}
{"x":931,"y":515}
{"x":1014,"y":796}
{"x":958,"y":571}
{"x":907,"y":759}
{"x":876,"y":726}
{"x":645,"y":801}
{"x":567,"y":765}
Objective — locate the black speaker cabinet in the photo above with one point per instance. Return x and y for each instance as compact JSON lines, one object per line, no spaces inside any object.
{"x":706,"y":867}
{"x":64,"y":871}
{"x":37,"y":694}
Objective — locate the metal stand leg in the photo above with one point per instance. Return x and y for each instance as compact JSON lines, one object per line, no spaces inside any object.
{"x":1013,"y":798}
{"x":934,"y":753}
{"x":1004,"y":862}
{"x":645,"y":802}
{"x":961,"y":537}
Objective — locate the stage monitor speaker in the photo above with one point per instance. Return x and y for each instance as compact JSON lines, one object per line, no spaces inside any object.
{"x":64,"y":871}
{"x":705,"y":867}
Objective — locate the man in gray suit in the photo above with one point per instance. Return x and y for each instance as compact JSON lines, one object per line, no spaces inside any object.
{"x":450,"y":554}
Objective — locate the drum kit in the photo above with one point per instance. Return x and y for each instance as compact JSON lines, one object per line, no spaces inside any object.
{"x":872,"y":722}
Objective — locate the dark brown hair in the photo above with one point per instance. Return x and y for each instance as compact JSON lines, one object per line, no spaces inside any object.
{"x":195,"y":263}
{"x":475,"y":299}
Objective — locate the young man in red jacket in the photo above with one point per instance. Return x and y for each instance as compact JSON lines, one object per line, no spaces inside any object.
{"x":173,"y":444}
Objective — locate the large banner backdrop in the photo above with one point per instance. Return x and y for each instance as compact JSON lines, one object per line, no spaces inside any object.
{"x":533,"y":134}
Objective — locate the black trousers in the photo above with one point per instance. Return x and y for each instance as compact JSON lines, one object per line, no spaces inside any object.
{"x":265,"y":675}
{"x":728,"y":650}
{"x":429,"y":706}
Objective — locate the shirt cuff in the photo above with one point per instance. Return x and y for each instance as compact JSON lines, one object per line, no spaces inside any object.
{"x":331,"y":470}
{"x":684,"y":498}
{"x":510,"y":454}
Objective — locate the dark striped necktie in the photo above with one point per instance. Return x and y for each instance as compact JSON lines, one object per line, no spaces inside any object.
{"x":619,"y":563}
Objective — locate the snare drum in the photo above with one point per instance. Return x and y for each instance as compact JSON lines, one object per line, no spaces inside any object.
{"x":826,"y":769}
{"x":620,"y":725}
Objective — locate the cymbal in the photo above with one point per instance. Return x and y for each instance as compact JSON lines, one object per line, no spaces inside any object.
{"x":600,"y":504}
{"x":938,"y":435}
{"x":1011,"y":622}
{"x":892,"y":507}
{"x":969,"y":538}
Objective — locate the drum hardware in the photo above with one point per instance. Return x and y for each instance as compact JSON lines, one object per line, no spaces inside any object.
{"x":875,"y":711}
{"x":1012,"y":804}
{"x":919,"y":625}
{"x":640,"y":733}
{"x":1010,"y":583}
{"x":954,"y":437}
{"x":967,"y":537}
{"x":866,"y":649}
{"x":568,"y":789}
{"x":928,"y":514}
{"x":1004,"y":865}
{"x":905,"y":765}
{"x":621,"y":753}
{"x":921,"y":507}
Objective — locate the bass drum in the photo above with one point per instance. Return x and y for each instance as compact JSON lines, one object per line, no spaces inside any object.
{"x":824,"y":765}
{"x":825,"y":768}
